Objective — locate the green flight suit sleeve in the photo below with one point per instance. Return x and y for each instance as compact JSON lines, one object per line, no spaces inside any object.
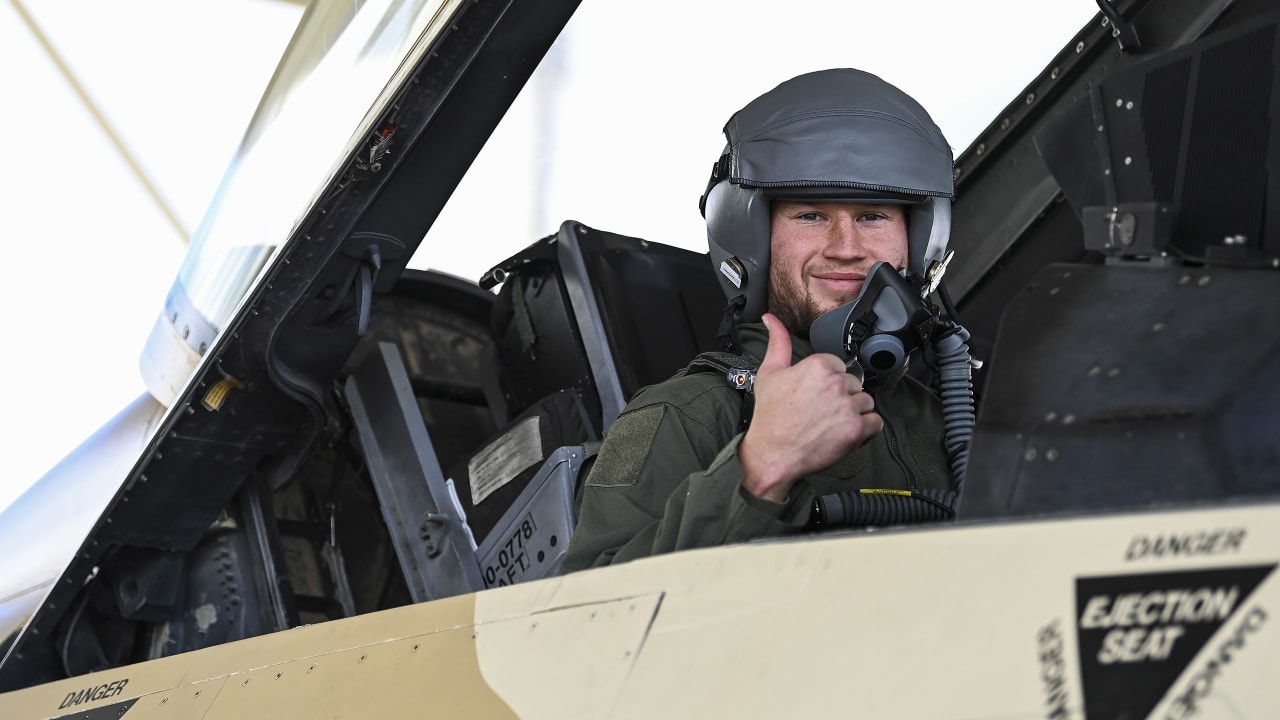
{"x":668,"y":478}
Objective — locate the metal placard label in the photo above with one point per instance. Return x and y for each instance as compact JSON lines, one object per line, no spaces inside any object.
{"x":505,"y":458}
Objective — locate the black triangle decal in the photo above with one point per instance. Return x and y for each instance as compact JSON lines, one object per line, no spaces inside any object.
{"x":1137,"y":633}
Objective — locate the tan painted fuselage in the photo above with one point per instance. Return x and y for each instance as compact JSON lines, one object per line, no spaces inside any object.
{"x":1009,"y":620}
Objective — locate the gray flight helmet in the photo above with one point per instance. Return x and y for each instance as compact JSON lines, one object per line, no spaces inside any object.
{"x":833,"y":135}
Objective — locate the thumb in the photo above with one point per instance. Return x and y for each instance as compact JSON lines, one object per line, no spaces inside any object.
{"x":777,"y":355}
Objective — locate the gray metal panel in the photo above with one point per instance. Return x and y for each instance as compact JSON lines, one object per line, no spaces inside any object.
{"x":1003,"y":188}
{"x":1128,"y":386}
{"x":434,"y":551}
{"x":530,"y":540}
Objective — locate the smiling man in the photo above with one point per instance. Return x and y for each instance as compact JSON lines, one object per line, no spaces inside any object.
{"x":822,"y":177}
{"x":822,"y":252}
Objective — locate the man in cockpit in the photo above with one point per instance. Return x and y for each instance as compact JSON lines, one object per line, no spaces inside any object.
{"x":822,"y":177}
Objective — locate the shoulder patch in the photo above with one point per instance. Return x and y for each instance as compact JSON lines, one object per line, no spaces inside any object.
{"x":626,"y":446}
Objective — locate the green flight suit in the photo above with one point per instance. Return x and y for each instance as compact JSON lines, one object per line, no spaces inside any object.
{"x":668,"y":477}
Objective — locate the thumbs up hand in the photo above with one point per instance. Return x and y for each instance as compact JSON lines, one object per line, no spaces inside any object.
{"x":807,"y":416}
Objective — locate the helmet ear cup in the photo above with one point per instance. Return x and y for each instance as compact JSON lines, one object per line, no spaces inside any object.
{"x":928,"y":232}
{"x":739,"y":229}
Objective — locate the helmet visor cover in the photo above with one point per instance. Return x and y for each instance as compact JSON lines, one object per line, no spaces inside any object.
{"x":839,"y":129}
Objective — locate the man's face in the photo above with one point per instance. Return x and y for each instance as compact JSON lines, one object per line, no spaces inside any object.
{"x":821,"y":252}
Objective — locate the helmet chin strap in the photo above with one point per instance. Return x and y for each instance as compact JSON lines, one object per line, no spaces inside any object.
{"x":728,"y":333}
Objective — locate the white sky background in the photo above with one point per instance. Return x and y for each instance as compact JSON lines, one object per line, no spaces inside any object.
{"x":618,"y":130}
{"x":638,"y":98}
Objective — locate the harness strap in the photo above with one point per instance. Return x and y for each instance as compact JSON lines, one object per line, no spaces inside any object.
{"x":738,"y":370}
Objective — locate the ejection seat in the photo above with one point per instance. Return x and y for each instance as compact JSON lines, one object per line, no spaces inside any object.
{"x":582,"y":321}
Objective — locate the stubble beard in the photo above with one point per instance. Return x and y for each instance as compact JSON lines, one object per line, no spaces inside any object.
{"x":792,"y":304}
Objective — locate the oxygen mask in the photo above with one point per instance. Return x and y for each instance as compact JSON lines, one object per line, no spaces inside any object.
{"x":881,"y":327}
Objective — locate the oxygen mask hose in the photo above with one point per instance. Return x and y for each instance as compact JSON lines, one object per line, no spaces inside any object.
{"x":955,"y":373}
{"x":878,"y":508}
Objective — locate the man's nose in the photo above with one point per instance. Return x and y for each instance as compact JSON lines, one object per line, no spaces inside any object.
{"x":845,"y":240}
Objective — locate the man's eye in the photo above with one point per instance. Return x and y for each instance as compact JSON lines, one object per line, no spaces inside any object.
{"x":809,"y":217}
{"x":874,"y":216}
